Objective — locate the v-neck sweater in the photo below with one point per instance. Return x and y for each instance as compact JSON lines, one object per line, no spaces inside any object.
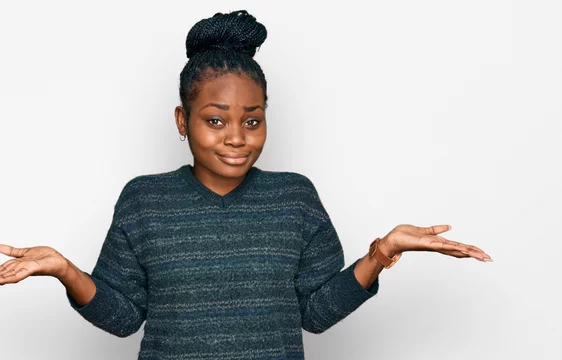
{"x":235,"y":276}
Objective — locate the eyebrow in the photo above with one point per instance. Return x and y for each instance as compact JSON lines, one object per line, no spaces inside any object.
{"x":226,"y":107}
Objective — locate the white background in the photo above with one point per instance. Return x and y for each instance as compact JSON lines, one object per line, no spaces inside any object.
{"x":419,"y":112}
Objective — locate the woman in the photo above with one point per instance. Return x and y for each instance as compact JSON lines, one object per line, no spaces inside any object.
{"x":223,"y":259}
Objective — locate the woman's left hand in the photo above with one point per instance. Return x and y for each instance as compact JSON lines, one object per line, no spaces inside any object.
{"x":414,"y":238}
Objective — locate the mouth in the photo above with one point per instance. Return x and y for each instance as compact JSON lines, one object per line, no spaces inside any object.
{"x":234,"y":158}
{"x":234,"y":155}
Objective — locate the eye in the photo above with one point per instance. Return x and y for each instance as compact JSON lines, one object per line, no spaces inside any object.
{"x":210,"y":121}
{"x":257,"y":122}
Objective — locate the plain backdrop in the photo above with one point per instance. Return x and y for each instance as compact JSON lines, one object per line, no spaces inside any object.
{"x":417,"y":112}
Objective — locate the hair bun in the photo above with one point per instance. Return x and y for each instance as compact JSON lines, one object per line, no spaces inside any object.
{"x":236,"y":31}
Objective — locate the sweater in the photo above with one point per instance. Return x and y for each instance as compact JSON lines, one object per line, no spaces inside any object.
{"x":230,"y":277}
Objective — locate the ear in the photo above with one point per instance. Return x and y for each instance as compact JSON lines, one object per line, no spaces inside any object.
{"x":181,"y":120}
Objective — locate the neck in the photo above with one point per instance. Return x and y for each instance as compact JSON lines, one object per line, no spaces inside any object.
{"x":217,"y":183}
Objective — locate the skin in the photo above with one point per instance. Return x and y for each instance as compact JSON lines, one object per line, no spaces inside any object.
{"x":235,"y":123}
{"x":228,"y":116}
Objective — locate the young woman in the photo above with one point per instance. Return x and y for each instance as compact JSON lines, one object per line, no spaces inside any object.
{"x":223,"y":260}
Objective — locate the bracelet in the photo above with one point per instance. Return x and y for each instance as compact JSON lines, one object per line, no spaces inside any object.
{"x":384,"y":260}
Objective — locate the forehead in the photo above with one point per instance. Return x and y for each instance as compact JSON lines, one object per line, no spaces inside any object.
{"x":231,"y":89}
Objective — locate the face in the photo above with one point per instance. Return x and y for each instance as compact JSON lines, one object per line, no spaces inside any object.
{"x":226,"y":129}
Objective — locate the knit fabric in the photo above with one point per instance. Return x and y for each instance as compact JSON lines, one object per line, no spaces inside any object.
{"x":221,"y":277}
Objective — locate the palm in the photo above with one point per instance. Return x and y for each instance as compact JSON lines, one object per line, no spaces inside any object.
{"x":415,"y":238}
{"x":38,"y":260}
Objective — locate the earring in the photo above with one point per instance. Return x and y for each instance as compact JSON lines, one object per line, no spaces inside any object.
{"x":183,"y":138}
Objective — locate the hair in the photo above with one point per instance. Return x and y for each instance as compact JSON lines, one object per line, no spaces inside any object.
{"x":215,"y":46}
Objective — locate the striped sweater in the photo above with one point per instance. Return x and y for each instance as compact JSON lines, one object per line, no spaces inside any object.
{"x":226,"y":277}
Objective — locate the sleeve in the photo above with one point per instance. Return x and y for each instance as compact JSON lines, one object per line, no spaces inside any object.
{"x":119,"y":304}
{"x":326,"y":294}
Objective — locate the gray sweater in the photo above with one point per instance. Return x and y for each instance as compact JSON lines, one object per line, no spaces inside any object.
{"x":221,"y":277}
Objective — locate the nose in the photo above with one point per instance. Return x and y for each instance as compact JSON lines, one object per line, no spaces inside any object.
{"x":234,"y":135}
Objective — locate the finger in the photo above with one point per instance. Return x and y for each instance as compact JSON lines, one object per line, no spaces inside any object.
{"x":434,"y":230}
{"x":467,"y":249}
{"x":476,"y":248}
{"x":472,"y":250}
{"x":7,"y":269}
{"x":458,"y":245}
{"x":7,"y":265}
{"x":440,"y":243}
{"x":455,"y":253}
{"x":14,"y":276}
{"x":7,"y":276}
{"x":459,"y":254}
{"x":445,"y":245}
{"x":12,"y":251}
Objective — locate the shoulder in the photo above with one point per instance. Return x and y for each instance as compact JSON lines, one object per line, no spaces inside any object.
{"x":287,"y":181}
{"x":144,"y":188}
{"x":149,"y":182}
{"x":290,"y":177}
{"x":299,"y":189}
{"x":291,"y":187}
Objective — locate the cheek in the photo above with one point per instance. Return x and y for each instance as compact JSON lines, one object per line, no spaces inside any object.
{"x":257,"y":140}
{"x":204,"y":139}
{"x":258,"y":137}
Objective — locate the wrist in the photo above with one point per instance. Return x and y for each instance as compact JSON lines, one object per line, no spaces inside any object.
{"x":386,"y":248}
{"x":67,"y":272}
{"x":377,"y":252}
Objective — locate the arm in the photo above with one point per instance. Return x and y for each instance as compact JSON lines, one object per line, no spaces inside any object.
{"x":114,"y":296}
{"x":368,"y":269}
{"x":78,"y":285}
{"x":326,"y":294}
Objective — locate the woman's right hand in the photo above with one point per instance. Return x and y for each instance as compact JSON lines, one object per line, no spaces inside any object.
{"x":33,"y":261}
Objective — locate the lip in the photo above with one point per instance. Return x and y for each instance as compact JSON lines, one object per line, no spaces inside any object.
{"x":234,"y":155}
{"x":233,"y":158}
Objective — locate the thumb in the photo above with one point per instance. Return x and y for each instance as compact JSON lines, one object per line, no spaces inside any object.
{"x":12,"y":251}
{"x":435,"y":229}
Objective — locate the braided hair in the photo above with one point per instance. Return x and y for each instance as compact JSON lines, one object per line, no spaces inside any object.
{"x":224,"y":43}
